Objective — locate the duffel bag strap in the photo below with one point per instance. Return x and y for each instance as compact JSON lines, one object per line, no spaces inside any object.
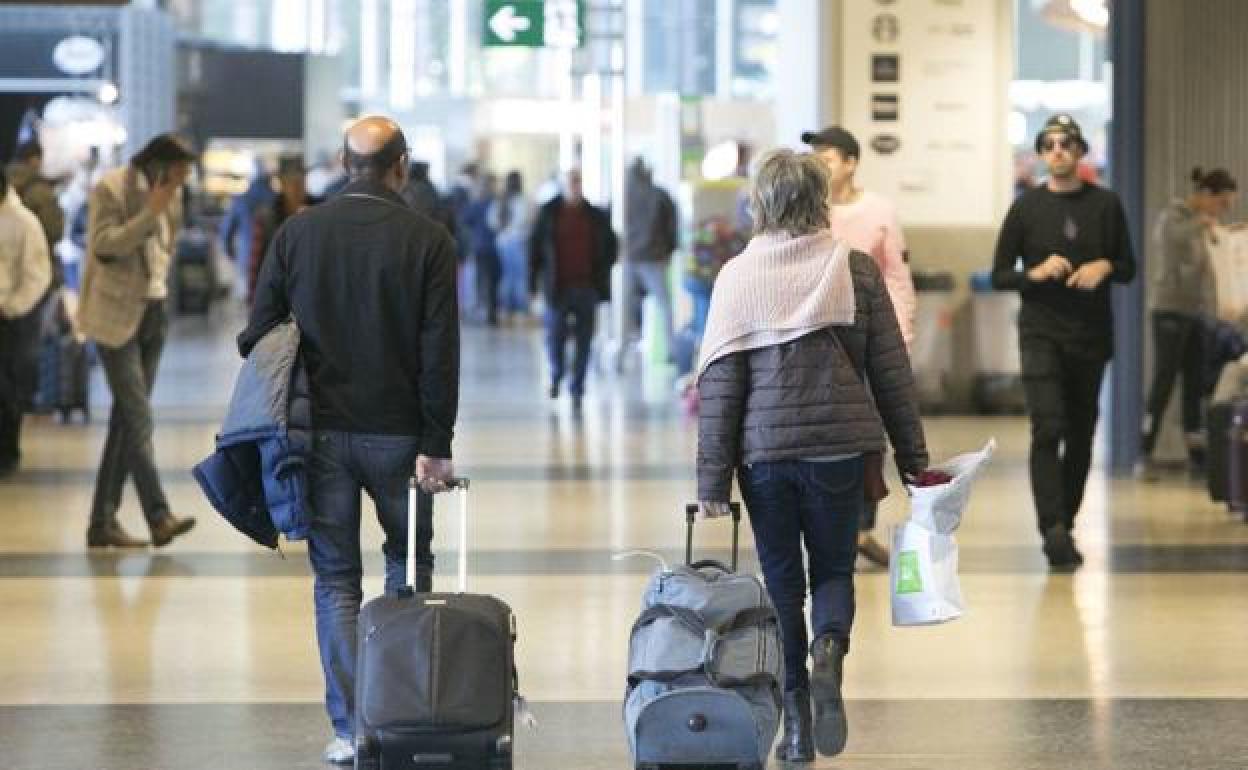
{"x":697,"y":627}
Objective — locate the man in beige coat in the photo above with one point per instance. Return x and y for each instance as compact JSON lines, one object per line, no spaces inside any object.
{"x":24,"y":277}
{"x":135,"y":214}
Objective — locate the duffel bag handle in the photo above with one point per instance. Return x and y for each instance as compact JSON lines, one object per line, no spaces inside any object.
{"x":691,"y":516}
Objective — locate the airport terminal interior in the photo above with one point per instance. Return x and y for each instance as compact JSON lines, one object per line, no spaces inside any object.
{"x":202,"y":653}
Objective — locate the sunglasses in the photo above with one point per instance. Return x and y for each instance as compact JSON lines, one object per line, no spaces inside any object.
{"x":1064,"y":143}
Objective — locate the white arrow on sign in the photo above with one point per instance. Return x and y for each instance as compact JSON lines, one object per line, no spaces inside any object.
{"x":505,"y":24}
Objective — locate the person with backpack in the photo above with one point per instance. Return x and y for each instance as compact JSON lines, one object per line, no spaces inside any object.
{"x":650,"y":236}
{"x":802,"y":372}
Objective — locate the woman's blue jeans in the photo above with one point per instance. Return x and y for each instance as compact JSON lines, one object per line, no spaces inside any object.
{"x":817,"y":504}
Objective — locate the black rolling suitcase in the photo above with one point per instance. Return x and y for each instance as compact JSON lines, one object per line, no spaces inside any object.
{"x":63,"y":379}
{"x":194,"y":283}
{"x":1217,"y":440}
{"x":435,"y":677}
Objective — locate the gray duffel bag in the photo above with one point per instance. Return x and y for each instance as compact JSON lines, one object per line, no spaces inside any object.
{"x":706,"y":667}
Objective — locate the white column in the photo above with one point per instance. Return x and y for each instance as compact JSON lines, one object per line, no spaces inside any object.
{"x":370,"y":43}
{"x":725,"y":39}
{"x":635,"y":46}
{"x":457,"y":54}
{"x":402,"y":55}
{"x":808,"y":69}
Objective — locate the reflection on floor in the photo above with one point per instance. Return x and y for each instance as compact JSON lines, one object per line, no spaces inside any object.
{"x":202,"y":655}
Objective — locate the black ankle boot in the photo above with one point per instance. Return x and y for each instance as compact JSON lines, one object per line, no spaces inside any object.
{"x":826,"y":674}
{"x":797,"y":745}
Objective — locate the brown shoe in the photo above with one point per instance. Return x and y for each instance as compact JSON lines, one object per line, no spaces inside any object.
{"x":871,"y":548}
{"x":111,"y":534}
{"x":166,"y":529}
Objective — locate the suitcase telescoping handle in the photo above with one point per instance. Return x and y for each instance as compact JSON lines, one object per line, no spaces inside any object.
{"x":413,"y":504}
{"x":691,"y":516}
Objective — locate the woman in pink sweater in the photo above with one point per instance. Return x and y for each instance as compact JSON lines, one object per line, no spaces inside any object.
{"x":867,"y":221}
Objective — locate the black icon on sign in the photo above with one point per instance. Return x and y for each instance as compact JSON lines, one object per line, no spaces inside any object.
{"x":885,"y":107}
{"x":885,"y":68}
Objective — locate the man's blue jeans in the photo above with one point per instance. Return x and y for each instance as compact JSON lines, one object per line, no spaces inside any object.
{"x":514,"y":287}
{"x":792,"y":501}
{"x":343,"y":465}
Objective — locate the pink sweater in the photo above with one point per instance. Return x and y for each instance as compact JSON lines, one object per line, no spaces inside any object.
{"x":870,"y":225}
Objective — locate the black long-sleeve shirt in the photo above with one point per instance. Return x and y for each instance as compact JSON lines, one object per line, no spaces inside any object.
{"x":1083,"y":226}
{"x":371,"y":284}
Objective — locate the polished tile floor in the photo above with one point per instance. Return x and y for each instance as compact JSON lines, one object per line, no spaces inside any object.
{"x":202,"y":655}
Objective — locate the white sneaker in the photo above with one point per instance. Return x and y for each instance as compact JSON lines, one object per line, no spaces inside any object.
{"x":339,"y":751}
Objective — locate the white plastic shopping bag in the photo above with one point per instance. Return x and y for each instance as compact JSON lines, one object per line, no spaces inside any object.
{"x":939,"y":508}
{"x":923,"y":569}
{"x":924,"y":577}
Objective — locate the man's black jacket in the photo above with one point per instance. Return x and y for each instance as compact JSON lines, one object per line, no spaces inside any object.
{"x":371,"y":284}
{"x":543,"y":263}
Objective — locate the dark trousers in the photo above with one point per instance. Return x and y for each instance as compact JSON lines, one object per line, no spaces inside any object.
{"x":128,"y":450}
{"x":344,"y":464}
{"x":1179,"y":349}
{"x":19,"y":366}
{"x":816,"y":503}
{"x":1062,"y":383}
{"x":576,"y":307}
{"x":489,"y":274}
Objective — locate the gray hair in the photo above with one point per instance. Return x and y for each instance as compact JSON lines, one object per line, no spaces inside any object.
{"x":790,"y":194}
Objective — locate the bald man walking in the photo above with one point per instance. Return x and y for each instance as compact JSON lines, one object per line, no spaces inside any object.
{"x":371,"y":284}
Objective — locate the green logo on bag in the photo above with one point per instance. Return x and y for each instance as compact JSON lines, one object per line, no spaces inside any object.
{"x":909,"y":580}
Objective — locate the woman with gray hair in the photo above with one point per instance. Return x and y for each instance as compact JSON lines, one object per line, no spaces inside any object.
{"x":802,"y":371}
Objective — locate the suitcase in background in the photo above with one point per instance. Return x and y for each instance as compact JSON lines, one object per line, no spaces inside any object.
{"x":194,"y":272}
{"x":435,"y":678}
{"x":63,"y":380}
{"x":1237,"y":458}
{"x":1217,"y":441}
{"x":706,"y":667}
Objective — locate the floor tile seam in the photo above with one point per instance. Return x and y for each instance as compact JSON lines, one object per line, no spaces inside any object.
{"x":850,"y":699}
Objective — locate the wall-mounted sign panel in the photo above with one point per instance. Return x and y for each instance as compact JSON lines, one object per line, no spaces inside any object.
{"x":925,"y":97}
{"x":534,"y":23}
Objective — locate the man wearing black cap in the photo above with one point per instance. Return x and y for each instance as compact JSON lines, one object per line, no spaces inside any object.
{"x":1073,"y":241}
{"x":867,"y":221}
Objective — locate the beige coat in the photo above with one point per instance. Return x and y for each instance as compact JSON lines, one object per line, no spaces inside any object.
{"x":116,"y":279}
{"x":24,"y":266}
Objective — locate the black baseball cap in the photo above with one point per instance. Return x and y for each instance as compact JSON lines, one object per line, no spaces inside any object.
{"x":834,"y":136}
{"x":1061,"y":123}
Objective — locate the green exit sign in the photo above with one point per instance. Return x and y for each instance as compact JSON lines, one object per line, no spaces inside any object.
{"x":535,"y":23}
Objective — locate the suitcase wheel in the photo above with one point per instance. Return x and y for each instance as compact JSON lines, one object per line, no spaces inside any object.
{"x":366,"y":756}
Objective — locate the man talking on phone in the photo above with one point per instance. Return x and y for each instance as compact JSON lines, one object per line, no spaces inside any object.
{"x":135,"y":213}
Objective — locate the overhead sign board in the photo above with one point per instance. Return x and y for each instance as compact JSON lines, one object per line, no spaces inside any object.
{"x":534,"y":23}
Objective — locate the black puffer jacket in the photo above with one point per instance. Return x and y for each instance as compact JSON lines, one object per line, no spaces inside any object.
{"x":807,"y":398}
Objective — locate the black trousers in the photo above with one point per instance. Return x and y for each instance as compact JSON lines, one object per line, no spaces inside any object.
{"x":1179,"y":348}
{"x":19,"y":361}
{"x":1062,"y":382}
